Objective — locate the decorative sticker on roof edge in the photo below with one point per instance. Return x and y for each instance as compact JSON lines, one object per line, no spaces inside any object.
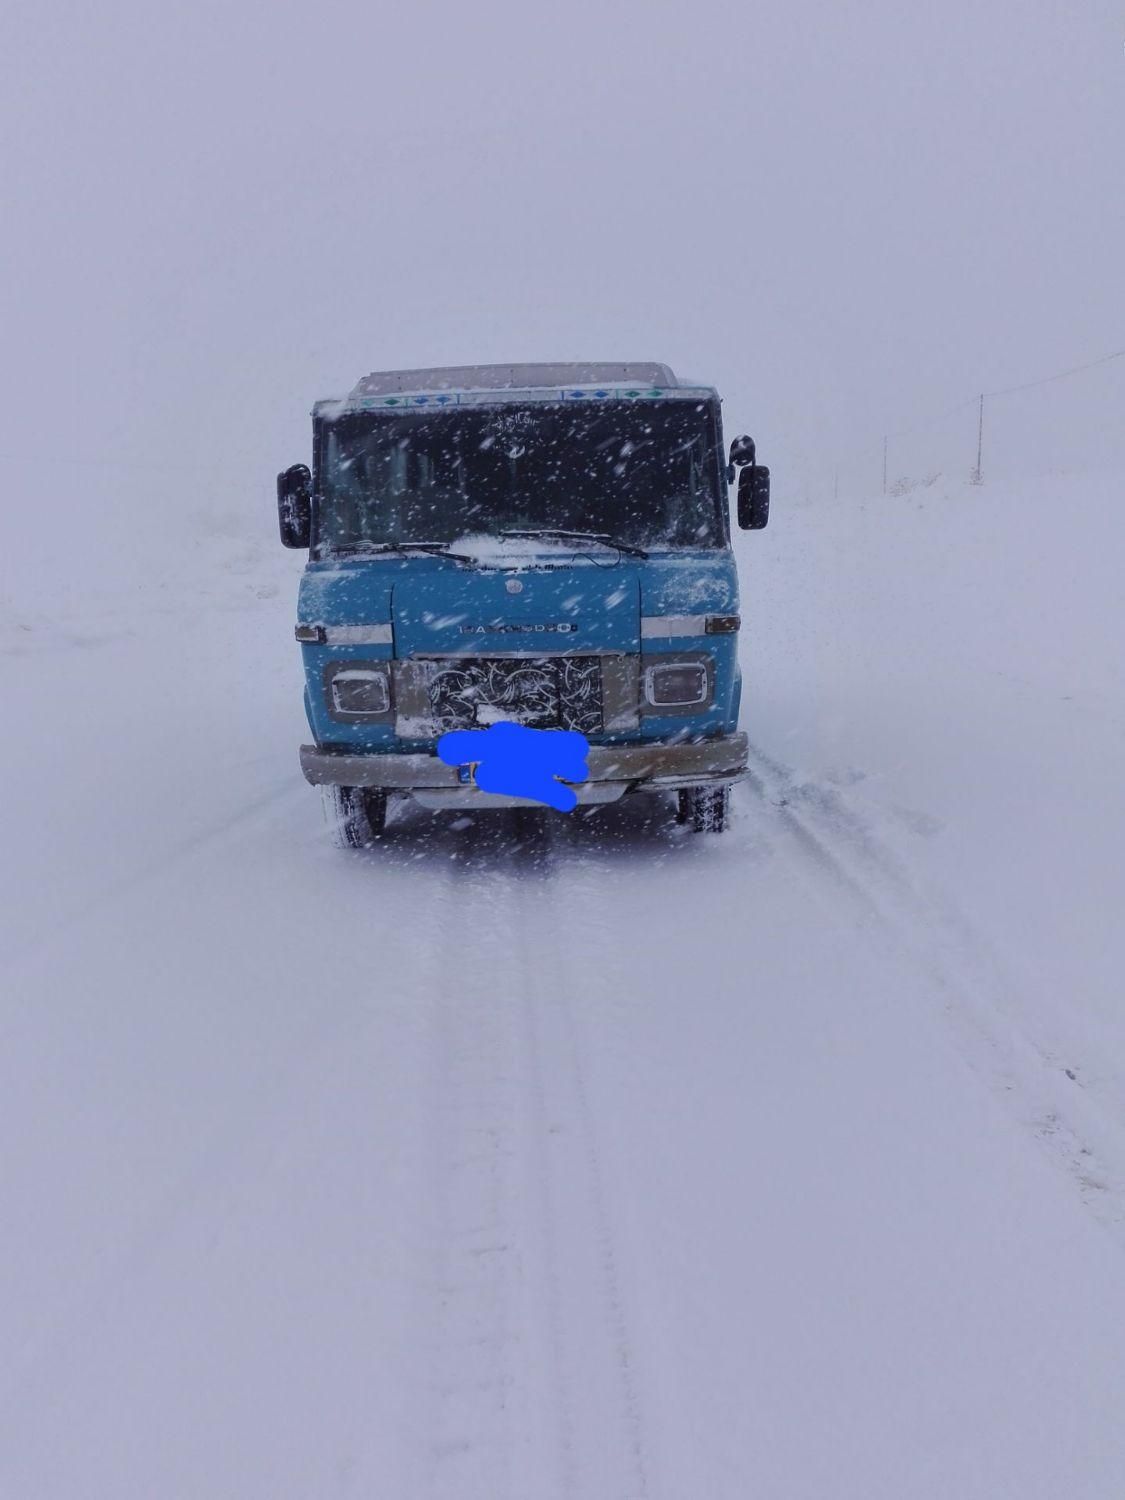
{"x":415,"y":400}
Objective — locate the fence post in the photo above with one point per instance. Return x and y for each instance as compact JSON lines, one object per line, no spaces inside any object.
{"x":977,"y":477}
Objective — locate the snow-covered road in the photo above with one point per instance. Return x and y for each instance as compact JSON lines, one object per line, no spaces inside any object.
{"x":536,"y":1157}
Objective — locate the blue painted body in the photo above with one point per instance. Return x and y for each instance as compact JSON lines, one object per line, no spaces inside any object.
{"x":437,"y":606}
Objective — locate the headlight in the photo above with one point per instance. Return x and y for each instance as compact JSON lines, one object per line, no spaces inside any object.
{"x":677,"y":684}
{"x":358,"y":690}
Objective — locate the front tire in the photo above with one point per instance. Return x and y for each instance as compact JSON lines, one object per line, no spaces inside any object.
{"x":356,"y":815}
{"x":705,"y":808}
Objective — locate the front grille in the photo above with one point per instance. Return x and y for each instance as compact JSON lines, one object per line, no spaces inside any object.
{"x":543,"y":692}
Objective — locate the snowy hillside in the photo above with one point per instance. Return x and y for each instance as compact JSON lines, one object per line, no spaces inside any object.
{"x":541,"y":1156}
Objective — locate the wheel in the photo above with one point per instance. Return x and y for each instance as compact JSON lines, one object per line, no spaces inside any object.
{"x":356,"y":815}
{"x":706,"y":808}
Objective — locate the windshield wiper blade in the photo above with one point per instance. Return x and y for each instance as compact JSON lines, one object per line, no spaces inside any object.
{"x":579,"y":536}
{"x":374,"y":549}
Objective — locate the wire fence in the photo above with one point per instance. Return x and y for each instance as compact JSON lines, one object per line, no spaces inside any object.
{"x":989,"y":435}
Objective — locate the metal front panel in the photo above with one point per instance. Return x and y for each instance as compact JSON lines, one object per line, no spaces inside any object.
{"x":414,"y":716}
{"x":681,"y":763}
{"x":620,"y":693}
{"x":585,"y":693}
{"x":579,"y":609}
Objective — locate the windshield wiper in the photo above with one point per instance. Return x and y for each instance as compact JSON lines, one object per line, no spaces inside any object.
{"x":373,"y":549}
{"x":580,"y":536}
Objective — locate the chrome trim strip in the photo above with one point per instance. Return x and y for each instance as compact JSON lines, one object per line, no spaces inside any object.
{"x":672,"y":625}
{"x":686,"y":762}
{"x":357,"y":635}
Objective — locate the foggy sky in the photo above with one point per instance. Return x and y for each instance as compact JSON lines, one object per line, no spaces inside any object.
{"x":848,"y":217}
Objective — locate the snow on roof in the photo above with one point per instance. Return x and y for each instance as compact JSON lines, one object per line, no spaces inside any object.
{"x":488,"y":385}
{"x":509,"y":377}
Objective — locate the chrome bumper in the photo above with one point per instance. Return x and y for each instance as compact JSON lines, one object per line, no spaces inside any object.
{"x":613,"y":771}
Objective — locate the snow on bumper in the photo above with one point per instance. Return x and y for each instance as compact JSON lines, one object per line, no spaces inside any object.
{"x":613,"y":771}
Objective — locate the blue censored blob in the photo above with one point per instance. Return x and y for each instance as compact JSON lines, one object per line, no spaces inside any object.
{"x":520,"y":762}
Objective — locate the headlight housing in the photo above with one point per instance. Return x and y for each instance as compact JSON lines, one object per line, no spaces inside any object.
{"x":678,"y":684}
{"x":358,"y":691}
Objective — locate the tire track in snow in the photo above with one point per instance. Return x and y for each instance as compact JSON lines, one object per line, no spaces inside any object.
{"x":533,"y":1377}
{"x":472,"y":1150}
{"x":545,"y":1273}
{"x":582,"y":1273}
{"x":1081,"y":1134}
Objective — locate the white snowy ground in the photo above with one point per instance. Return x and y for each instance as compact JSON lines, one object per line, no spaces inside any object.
{"x":550,"y":1157}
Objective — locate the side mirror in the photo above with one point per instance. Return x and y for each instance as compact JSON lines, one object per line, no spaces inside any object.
{"x":741,"y":452}
{"x":754,"y":497}
{"x":294,"y":506}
